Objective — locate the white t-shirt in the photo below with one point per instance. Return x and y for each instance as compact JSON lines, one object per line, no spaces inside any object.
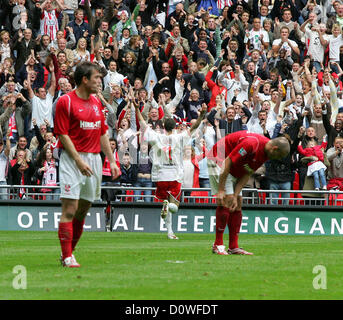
{"x":314,"y":46}
{"x":42,"y":109}
{"x":334,"y":45}
{"x":285,"y":45}
{"x":113,"y":77}
{"x":188,"y":177}
{"x":254,"y":38}
{"x":166,"y":154}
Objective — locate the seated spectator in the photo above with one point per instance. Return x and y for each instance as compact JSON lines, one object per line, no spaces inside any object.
{"x":335,"y":170}
{"x":316,"y":167}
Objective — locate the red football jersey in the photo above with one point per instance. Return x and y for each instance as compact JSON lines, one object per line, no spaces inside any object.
{"x":246,"y":151}
{"x":82,"y":120}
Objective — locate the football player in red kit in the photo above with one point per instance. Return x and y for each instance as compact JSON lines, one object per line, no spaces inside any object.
{"x":231,"y":162}
{"x":82,"y":132}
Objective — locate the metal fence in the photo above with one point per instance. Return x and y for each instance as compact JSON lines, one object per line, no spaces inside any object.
{"x":191,"y":196}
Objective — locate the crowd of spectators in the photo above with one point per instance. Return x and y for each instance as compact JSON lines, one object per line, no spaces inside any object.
{"x":272,"y":67}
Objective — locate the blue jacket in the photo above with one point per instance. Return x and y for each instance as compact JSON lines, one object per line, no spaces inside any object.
{"x":80,"y":29}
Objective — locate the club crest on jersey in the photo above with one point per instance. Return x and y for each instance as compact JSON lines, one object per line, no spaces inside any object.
{"x":96,"y":110}
{"x":242,"y":152}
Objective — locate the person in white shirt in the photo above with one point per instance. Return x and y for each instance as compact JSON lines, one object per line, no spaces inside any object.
{"x":256,"y":38}
{"x":335,"y":41}
{"x":237,"y":86}
{"x":113,"y":76}
{"x":264,"y":116}
{"x":284,"y":43}
{"x":42,"y":101}
{"x":314,"y":45}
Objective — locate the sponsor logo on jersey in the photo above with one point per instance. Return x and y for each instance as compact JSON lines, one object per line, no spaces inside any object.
{"x":90,"y":125}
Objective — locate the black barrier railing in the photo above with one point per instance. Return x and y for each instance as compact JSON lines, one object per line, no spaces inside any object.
{"x":129,"y":194}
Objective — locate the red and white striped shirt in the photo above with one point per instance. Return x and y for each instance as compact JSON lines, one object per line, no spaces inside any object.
{"x":49,"y":24}
{"x":222,"y":3}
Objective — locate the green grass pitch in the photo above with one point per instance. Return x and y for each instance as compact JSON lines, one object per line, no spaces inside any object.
{"x":141,"y":266}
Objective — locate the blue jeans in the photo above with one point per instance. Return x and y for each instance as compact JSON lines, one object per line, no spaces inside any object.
{"x":317,"y":66}
{"x":205,"y":183}
{"x":54,"y":195}
{"x":334,"y":68}
{"x":280,"y":186}
{"x":319,"y":176}
{"x":3,"y":191}
{"x":144,"y":183}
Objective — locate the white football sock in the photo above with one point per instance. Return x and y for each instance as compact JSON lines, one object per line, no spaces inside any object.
{"x":168,"y":222}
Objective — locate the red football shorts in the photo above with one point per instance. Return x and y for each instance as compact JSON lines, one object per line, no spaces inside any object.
{"x":166,"y":188}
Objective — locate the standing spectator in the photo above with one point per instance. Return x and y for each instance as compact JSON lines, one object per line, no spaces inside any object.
{"x":21,"y":173}
{"x":80,"y":28}
{"x":229,"y":123}
{"x":63,"y":46}
{"x":335,"y":41}
{"x":284,"y":42}
{"x":128,"y":171}
{"x":49,"y":18}
{"x":144,"y":166}
{"x":25,"y":45}
{"x":217,"y":87}
{"x":16,"y":123}
{"x":4,"y":162}
{"x":257,"y":38}
{"x":5,"y":47}
{"x":81,"y":53}
{"x":21,"y":145}
{"x":46,"y":172}
{"x":42,"y":100}
{"x":335,"y":170}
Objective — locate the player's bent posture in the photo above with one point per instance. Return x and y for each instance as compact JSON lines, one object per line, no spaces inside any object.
{"x":167,"y":163}
{"x":231,"y":161}
{"x":82,"y":132}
